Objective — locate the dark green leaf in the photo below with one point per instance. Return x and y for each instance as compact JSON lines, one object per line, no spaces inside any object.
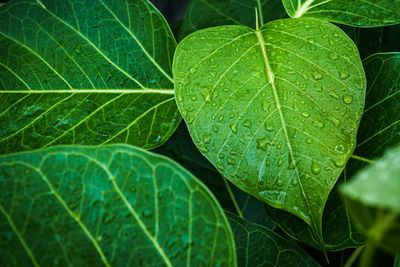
{"x":202,"y":14}
{"x":259,"y":246}
{"x":373,"y":198}
{"x":277,"y":117}
{"x":113,"y":205}
{"x":181,"y":148}
{"x":85,"y":72}
{"x":360,"y":13}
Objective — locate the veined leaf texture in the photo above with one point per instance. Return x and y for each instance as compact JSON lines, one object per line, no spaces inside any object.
{"x":284,"y":129}
{"x":85,"y":72}
{"x":360,"y":13}
{"x":113,"y":205}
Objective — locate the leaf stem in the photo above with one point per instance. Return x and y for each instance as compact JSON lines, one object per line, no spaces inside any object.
{"x":368,"y":254}
{"x":260,"y":12}
{"x":239,"y":212}
{"x":362,"y":158}
{"x":350,"y":261}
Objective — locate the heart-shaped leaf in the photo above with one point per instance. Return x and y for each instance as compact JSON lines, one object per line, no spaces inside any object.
{"x":373,"y":198}
{"x":112,"y":205}
{"x":276,"y":110}
{"x":365,"y":13}
{"x":85,"y":72}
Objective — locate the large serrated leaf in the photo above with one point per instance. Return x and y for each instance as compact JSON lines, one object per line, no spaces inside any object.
{"x":259,"y":246}
{"x":202,"y":14}
{"x":85,"y":72}
{"x":360,"y":13}
{"x":114,"y":205}
{"x":373,"y":198}
{"x":276,"y":110}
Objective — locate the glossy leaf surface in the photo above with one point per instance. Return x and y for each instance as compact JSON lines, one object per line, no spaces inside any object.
{"x":283,"y":129}
{"x":85,"y":72}
{"x":113,"y":205}
{"x":338,"y":229}
{"x":202,"y":14}
{"x":360,"y":13}
{"x":259,"y":246}
{"x":376,"y":134}
{"x":373,"y":198}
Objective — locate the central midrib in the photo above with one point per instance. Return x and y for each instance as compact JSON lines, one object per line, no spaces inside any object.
{"x":271,"y":79}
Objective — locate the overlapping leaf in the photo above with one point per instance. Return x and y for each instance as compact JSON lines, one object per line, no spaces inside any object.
{"x":202,"y":14}
{"x":113,"y":205}
{"x":85,"y":72}
{"x":360,"y":13}
{"x":283,"y":129}
{"x":373,"y":198}
{"x":259,"y":246}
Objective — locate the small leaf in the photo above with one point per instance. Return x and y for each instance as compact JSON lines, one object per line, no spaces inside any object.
{"x":259,"y":246}
{"x":365,"y":13}
{"x":373,"y":198}
{"x":282,"y":105}
{"x":85,"y":72}
{"x":113,"y":205}
{"x":202,"y":14}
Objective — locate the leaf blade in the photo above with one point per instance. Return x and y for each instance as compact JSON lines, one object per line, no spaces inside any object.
{"x":88,"y":60}
{"x":106,"y":196}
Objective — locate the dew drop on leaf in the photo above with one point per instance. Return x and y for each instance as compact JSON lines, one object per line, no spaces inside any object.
{"x":315,"y":167}
{"x":347,"y":99}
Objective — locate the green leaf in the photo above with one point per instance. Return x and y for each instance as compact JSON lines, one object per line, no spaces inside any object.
{"x":380,"y":124}
{"x":397,"y":261}
{"x":202,"y":14}
{"x":365,"y":13}
{"x":373,"y":198}
{"x":376,"y":134}
{"x":112,"y":205}
{"x":338,"y":229}
{"x":85,"y":72}
{"x":275,"y":110}
{"x":259,"y":246}
{"x":181,"y":148}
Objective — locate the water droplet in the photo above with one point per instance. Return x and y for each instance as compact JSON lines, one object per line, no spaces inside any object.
{"x":315,"y":167}
{"x":344,"y":74}
{"x":220,"y":167}
{"x":292,"y":162}
{"x":262,"y":143}
{"x":331,"y":42}
{"x":280,"y":162}
{"x":308,"y":140}
{"x":335,"y":121}
{"x":247,"y":124}
{"x":269,"y":127}
{"x":221,"y":117}
{"x":334,"y":56}
{"x":339,"y":162}
{"x":78,"y":50}
{"x":280,"y":181}
{"x":305,"y":114}
{"x":190,"y":119}
{"x":347,"y":99}
{"x":319,"y":124}
{"x":215,"y":128}
{"x":193,"y":70}
{"x":333,"y":95}
{"x":193,"y":97}
{"x":234,"y":127}
{"x":231,"y":161}
{"x":207,"y":138}
{"x":317,"y":75}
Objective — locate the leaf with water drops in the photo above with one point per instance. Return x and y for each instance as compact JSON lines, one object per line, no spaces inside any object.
{"x":276,"y":110}
{"x":202,"y":14}
{"x":338,"y":229}
{"x":85,"y":72}
{"x":360,"y":13}
{"x":113,"y":205}
{"x":373,"y":199}
{"x":257,"y":245}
